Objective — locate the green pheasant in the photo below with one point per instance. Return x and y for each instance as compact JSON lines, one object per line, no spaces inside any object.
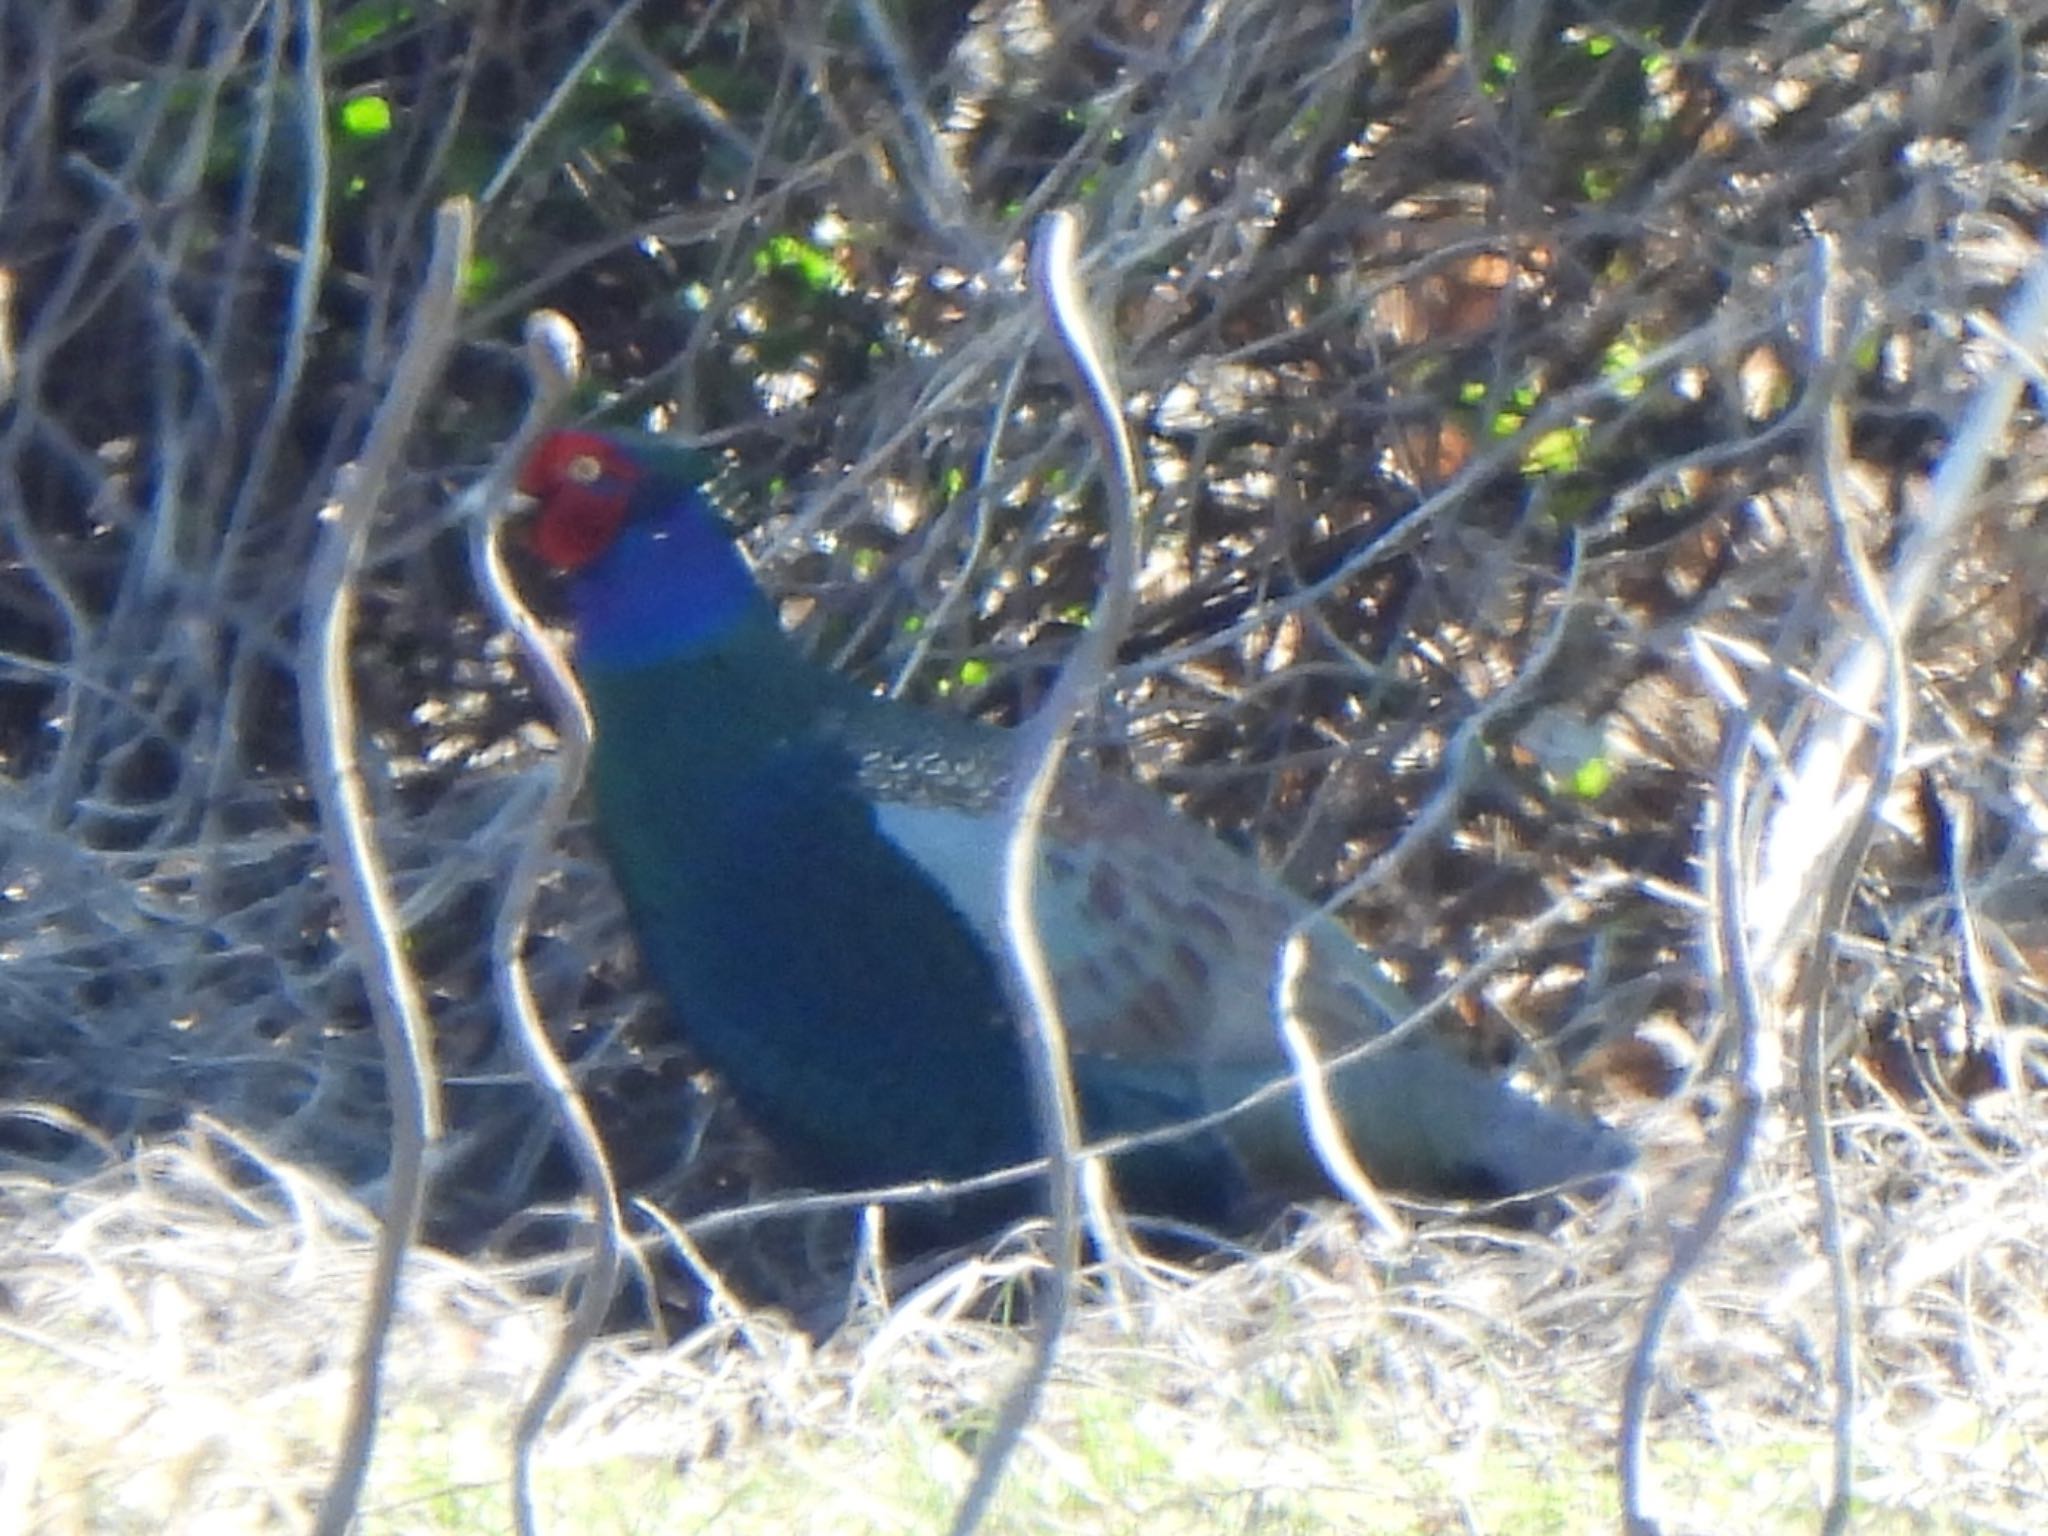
{"x":813,"y":874}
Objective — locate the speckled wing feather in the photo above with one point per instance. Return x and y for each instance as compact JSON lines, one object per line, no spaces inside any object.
{"x":1166,"y":944}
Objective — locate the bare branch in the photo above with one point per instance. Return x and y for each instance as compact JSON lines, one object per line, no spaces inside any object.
{"x":376,"y":933}
{"x":1041,"y":746}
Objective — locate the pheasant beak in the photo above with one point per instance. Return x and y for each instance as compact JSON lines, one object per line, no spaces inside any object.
{"x":520,"y":509}
{"x":532,"y":483}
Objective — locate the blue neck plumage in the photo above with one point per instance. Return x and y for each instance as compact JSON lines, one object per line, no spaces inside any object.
{"x":672,"y":583}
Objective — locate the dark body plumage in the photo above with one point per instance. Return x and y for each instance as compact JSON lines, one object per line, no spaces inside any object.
{"x":812,"y":874}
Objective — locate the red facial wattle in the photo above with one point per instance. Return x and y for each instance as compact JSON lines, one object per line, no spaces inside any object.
{"x":584,"y":486}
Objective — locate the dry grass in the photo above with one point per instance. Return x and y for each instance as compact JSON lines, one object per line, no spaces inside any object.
{"x":177,"y":1336}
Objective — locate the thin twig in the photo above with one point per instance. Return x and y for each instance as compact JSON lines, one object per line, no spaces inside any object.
{"x":1318,"y":1113}
{"x":931,"y":178}
{"x":7,"y":363}
{"x":1814,"y":813}
{"x":954,"y":598}
{"x":1042,"y":743}
{"x":373,"y":923}
{"x":1893,"y":730}
{"x":1735,"y":964}
{"x":558,"y":98}
{"x":553,"y":362}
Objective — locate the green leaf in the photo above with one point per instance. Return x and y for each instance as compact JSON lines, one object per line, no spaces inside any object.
{"x":817,"y":269}
{"x":1591,"y":779}
{"x":366,"y":117}
{"x":1555,"y":452}
{"x":1619,"y":364}
{"x":618,"y":83}
{"x":479,"y":278}
{"x":1599,"y":183}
